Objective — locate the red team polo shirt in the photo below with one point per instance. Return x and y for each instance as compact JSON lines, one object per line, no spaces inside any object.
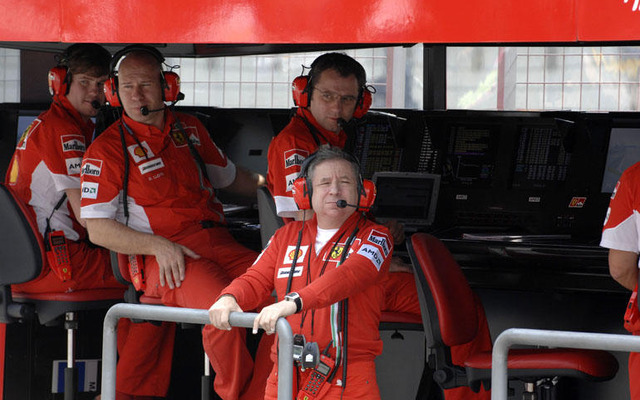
{"x":287,"y":152}
{"x":47,"y":161}
{"x":622,"y":225}
{"x":166,"y":193}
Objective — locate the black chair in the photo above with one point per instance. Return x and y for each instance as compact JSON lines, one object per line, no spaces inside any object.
{"x":22,"y":255}
{"x":267,"y":215}
{"x":448,"y":308}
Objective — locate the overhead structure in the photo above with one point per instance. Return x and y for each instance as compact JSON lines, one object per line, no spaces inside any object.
{"x":320,"y":21}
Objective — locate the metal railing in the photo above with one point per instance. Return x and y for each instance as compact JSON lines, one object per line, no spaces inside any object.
{"x":193,"y":316}
{"x":539,"y":337}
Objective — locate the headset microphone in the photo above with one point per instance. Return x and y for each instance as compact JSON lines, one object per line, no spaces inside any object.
{"x":96,"y":104}
{"x":144,"y":110}
{"x":344,"y":204}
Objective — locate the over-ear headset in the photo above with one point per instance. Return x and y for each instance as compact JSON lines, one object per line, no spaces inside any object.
{"x":170,"y":80}
{"x":302,"y":187}
{"x":59,"y":76}
{"x":81,"y":57}
{"x":301,"y":90}
{"x":58,"y":80}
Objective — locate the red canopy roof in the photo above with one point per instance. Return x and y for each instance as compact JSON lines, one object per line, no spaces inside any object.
{"x":319,"y":21}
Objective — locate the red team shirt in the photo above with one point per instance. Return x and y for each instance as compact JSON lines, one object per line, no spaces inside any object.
{"x":622,"y":225}
{"x":47,"y":161}
{"x":359,"y":278}
{"x":166,"y":193}
{"x":287,"y":152}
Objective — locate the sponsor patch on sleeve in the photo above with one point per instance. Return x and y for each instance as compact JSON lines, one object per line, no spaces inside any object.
{"x":289,"y":179}
{"x":294,"y":157}
{"x":89,"y":190}
{"x":380,"y":239}
{"x":74,"y":165}
{"x":373,"y":253}
{"x":92,"y":167}
{"x":73,"y":143}
{"x":22,"y":143}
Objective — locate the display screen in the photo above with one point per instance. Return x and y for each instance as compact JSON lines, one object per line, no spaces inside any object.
{"x":407,"y":197}
{"x":541,"y":159}
{"x":472,"y":154}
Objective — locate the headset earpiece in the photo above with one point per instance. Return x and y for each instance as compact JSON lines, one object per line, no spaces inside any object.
{"x":364,"y":103}
{"x":171,"y":86}
{"x":300,"y":91}
{"x":110,"y":92}
{"x":301,"y":189}
{"x":367,"y":195}
{"x":58,"y":80}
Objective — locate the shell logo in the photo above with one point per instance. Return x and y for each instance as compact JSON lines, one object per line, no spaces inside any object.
{"x":292,"y":254}
{"x":139,"y":151}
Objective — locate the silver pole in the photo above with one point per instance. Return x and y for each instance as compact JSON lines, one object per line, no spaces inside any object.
{"x":538,"y":337}
{"x":193,"y":316}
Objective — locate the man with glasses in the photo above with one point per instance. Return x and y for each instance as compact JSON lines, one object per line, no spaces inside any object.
{"x":333,"y":87}
{"x":334,"y":92}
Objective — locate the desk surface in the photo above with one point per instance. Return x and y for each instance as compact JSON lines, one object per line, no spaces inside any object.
{"x":541,"y":264}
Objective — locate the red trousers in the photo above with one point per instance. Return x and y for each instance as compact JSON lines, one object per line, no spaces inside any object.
{"x":361,"y":383}
{"x":221,"y":260}
{"x":91,"y":269}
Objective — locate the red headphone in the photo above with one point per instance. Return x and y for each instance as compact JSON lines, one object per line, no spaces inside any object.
{"x":302,"y":189}
{"x":301,"y":96}
{"x":58,"y":80}
{"x":171,"y":83}
{"x":170,"y":80}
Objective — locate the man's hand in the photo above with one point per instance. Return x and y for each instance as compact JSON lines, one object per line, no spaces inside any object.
{"x":220,"y":310}
{"x":171,"y":265}
{"x":396,"y":229}
{"x":269,"y":316}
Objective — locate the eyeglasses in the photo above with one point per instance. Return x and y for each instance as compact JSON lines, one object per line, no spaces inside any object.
{"x":330,"y":97}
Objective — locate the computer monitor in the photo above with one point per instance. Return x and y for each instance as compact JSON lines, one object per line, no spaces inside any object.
{"x":408,"y":197}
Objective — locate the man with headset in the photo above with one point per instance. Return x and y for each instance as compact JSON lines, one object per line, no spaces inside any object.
{"x":327,"y":273}
{"x":331,"y":96}
{"x":148,"y":189}
{"x":45,"y":173}
{"x":334,"y":92}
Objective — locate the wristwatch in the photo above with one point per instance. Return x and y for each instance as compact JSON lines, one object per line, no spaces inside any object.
{"x":295,"y":297}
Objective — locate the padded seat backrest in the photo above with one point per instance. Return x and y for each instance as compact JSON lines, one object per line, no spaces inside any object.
{"x":445,"y":288}
{"x":267,"y":214}
{"x":22,"y":250}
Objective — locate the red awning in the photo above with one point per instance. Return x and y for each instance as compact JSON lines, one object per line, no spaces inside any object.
{"x":319,"y":21}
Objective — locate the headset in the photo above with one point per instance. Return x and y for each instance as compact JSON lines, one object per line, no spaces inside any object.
{"x":170,"y":80}
{"x":301,"y":88}
{"x":302,"y":187}
{"x":59,"y":76}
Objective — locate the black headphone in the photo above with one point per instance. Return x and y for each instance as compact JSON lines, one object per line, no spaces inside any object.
{"x":170,"y":80}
